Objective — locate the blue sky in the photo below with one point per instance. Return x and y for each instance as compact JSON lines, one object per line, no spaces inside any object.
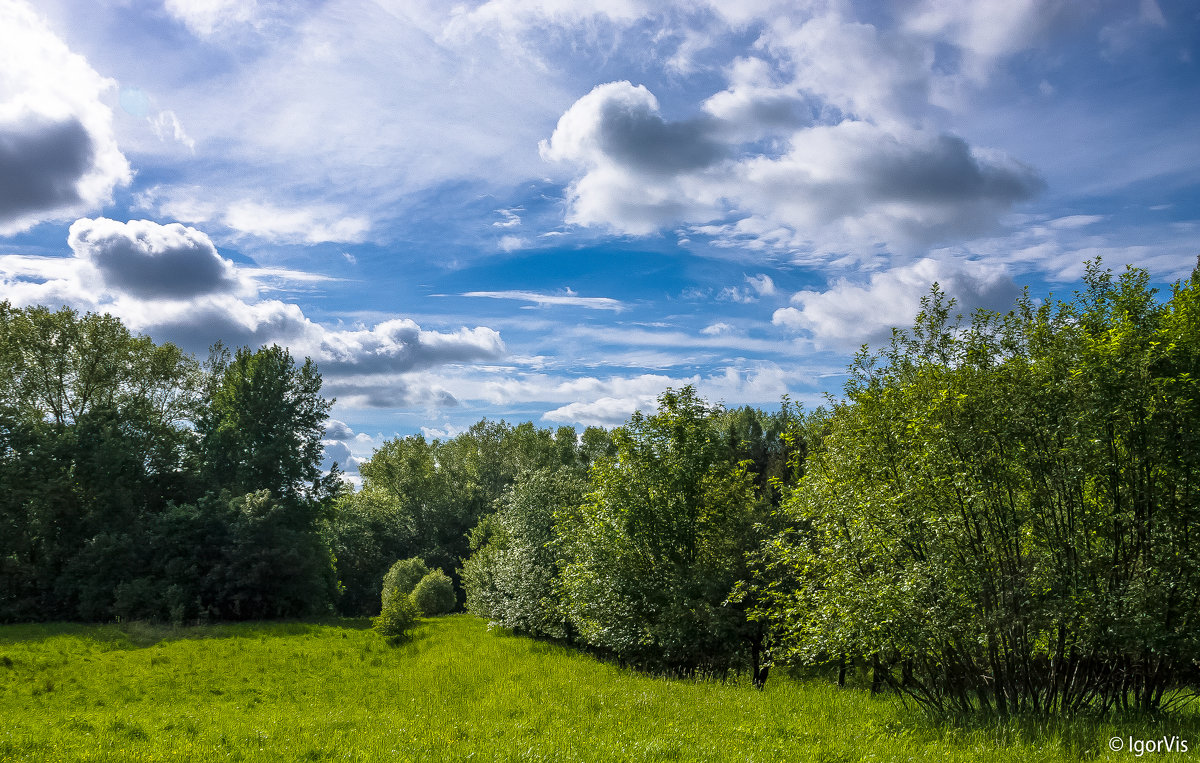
{"x":548,"y":210}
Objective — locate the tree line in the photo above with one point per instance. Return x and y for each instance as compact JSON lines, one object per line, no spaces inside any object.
{"x":137,"y":483}
{"x":999,"y":515}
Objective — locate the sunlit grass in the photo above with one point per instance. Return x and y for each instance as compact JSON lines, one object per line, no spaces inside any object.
{"x":339,"y":692}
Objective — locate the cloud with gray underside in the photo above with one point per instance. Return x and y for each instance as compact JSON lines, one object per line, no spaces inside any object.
{"x":150,"y":260}
{"x":812,"y":186}
{"x":338,"y":430}
{"x":41,"y":163}
{"x":401,"y":345}
{"x":633,"y":134}
{"x":390,"y":392}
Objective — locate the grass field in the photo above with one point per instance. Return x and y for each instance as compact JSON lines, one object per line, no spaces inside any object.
{"x":266,"y":692}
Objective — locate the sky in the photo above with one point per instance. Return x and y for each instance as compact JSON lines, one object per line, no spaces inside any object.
{"x":552,"y":210}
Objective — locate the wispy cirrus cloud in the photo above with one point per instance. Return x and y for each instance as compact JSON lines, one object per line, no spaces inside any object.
{"x":568,"y":298}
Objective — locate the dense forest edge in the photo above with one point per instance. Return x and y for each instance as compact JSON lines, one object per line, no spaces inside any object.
{"x":1000,"y":516}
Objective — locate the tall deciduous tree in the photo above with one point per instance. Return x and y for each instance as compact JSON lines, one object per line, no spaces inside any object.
{"x":261,"y":424}
{"x":92,"y":444}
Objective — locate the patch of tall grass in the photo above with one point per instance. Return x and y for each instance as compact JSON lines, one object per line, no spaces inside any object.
{"x":338,"y":691}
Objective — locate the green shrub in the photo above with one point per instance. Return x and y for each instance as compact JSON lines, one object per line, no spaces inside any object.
{"x":402,"y":578}
{"x":434,"y":595}
{"x":397,"y":618}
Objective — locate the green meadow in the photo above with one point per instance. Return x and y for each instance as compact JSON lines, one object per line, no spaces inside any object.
{"x":457,"y":691}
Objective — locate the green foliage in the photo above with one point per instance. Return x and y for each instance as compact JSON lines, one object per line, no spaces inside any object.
{"x":655,"y":549}
{"x":402,"y":578}
{"x":262,"y":423}
{"x":769,"y":445}
{"x":91,"y":445}
{"x":434,"y":594}
{"x":1002,"y":515}
{"x":398,"y":617}
{"x":510,"y":576}
{"x":134,"y":485}
{"x":367,"y":533}
{"x":422,"y":498}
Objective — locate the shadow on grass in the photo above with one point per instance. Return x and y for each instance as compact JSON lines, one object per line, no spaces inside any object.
{"x":141,"y":634}
{"x":1084,"y":736}
{"x":415,"y":640}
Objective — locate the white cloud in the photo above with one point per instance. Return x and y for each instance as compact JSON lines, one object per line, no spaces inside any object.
{"x":736,"y":294}
{"x":604,"y":412}
{"x":511,"y":219}
{"x":634,"y":161}
{"x":402,"y":345}
{"x":1075,"y":221}
{"x":763,"y":284}
{"x":166,"y":126}
{"x":755,"y":103}
{"x":297,"y":224}
{"x":446,"y":431}
{"x":567,"y":298}
{"x":513,"y":18}
{"x":206,"y":17}
{"x":354,"y":105}
{"x":58,"y":153}
{"x":985,"y":31}
{"x":1058,"y":248}
{"x":854,"y":67}
{"x":169,"y":281}
{"x":856,"y":185}
{"x":338,"y":430}
{"x":717,"y":329}
{"x":756,"y":286}
{"x":848,"y":314}
{"x":306,"y":224}
{"x":1123,"y":34}
{"x":511,"y":243}
{"x":619,"y":336}
{"x":612,"y":401}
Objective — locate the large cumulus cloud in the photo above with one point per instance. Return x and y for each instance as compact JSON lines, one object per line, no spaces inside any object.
{"x":640,"y":172}
{"x":58,"y":153}
{"x":825,"y":187}
{"x":149,"y":260}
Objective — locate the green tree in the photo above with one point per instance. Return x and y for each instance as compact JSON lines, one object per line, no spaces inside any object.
{"x":259,"y":429}
{"x":92,"y":445}
{"x":399,"y":616}
{"x":424,"y":497}
{"x":367,"y":533}
{"x":511,"y":574}
{"x":261,"y":424}
{"x":654,"y":551}
{"x":999,"y":515}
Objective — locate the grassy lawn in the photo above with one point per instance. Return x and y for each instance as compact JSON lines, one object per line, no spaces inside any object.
{"x":294,"y":691}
